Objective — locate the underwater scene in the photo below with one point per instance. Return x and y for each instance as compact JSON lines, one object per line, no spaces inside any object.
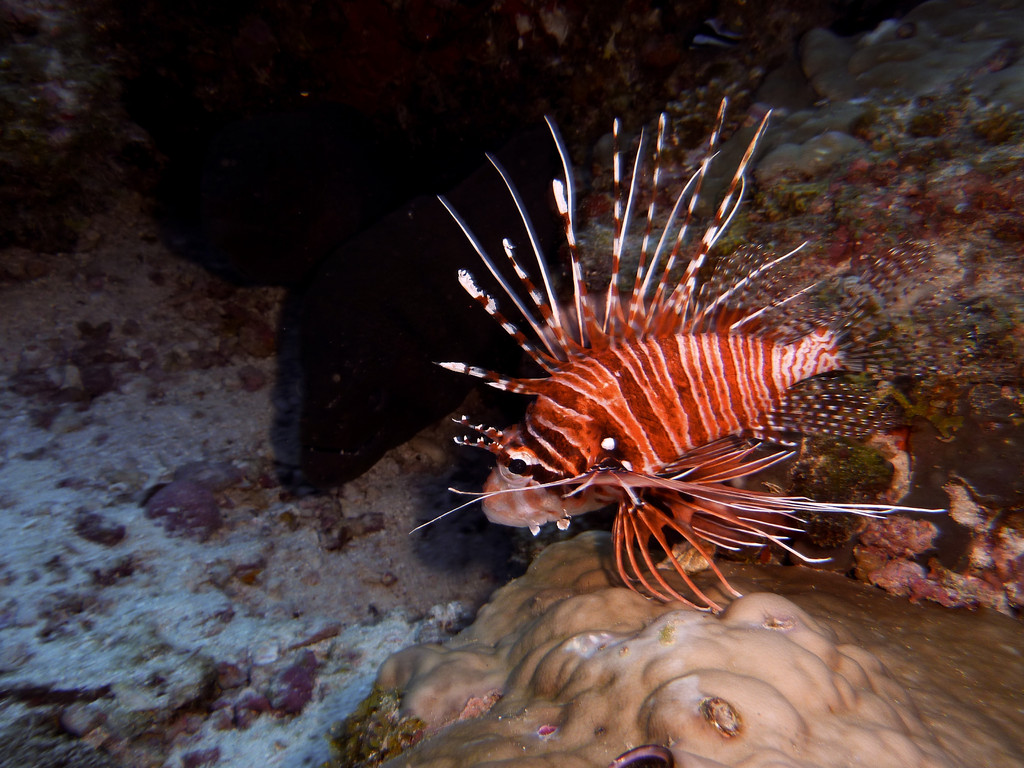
{"x":518,"y":383}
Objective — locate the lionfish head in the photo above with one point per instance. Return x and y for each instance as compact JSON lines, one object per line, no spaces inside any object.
{"x":520,"y":491}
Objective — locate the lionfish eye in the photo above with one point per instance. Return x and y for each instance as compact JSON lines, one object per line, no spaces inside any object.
{"x":518,"y":467}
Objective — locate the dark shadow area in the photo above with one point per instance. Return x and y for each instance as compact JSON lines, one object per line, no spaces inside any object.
{"x":384,"y":308}
{"x":313,"y":195}
{"x":867,"y":14}
{"x":453,"y":542}
{"x":313,"y":200}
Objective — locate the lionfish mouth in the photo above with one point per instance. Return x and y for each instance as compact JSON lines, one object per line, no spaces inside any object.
{"x":696,"y":373}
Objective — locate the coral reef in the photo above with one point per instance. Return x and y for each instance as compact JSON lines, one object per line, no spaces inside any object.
{"x":890,"y":551}
{"x":824,"y":672}
{"x":934,"y":44}
{"x":125,"y":369}
{"x":241,"y":617}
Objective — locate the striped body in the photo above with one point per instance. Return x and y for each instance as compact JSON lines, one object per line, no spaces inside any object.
{"x":651,"y":402}
{"x":657,"y":399}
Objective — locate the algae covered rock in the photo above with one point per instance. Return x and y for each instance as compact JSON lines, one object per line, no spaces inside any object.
{"x":938,"y":49}
{"x":938,"y":43}
{"x":564,"y":668}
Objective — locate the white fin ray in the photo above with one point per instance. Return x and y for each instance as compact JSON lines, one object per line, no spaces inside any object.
{"x":636,"y":298}
{"x":490,"y":306}
{"x":656,"y":310}
{"x":613,"y":317}
{"x":683,"y":297}
{"x":500,"y":278}
{"x":720,"y":300}
{"x":555,"y":322}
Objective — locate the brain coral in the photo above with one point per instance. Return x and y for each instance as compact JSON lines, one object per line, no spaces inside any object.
{"x":586,"y":670}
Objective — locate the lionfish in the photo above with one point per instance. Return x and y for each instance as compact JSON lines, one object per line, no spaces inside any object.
{"x":657,"y":400}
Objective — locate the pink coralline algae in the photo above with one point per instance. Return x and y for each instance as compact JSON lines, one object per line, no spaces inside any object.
{"x":885,"y":555}
{"x":899,"y":536}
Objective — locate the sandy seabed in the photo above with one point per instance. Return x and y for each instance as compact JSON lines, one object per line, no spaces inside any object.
{"x":163,"y":599}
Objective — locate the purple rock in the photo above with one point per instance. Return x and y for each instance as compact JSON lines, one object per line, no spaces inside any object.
{"x":231,"y":675}
{"x":248,"y":707}
{"x":294,"y":686}
{"x":252,"y":378}
{"x":185,"y":508}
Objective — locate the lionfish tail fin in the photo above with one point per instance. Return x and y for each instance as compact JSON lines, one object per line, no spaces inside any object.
{"x":863,"y":306}
{"x":889,"y":287}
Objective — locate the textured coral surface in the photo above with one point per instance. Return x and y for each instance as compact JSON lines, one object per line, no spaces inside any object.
{"x":824,"y":672}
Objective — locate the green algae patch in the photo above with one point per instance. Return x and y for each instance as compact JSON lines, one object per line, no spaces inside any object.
{"x":837,"y":468}
{"x":937,"y":403}
{"x":374,"y":733}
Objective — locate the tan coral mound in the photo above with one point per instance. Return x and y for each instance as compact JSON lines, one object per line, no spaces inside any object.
{"x":835,"y":674}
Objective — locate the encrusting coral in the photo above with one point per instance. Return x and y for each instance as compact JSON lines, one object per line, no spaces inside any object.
{"x":564,"y":668}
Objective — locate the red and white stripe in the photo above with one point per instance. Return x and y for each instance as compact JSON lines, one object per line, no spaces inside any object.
{"x":662,"y":398}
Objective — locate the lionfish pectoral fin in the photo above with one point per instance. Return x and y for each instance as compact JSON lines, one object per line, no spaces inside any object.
{"x":633,"y":530}
{"x":727,"y":450}
{"x":630,"y":535}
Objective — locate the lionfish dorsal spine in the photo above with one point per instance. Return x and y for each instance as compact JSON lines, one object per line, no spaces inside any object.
{"x":623,"y":215}
{"x":683,"y":299}
{"x":734,"y":289}
{"x":548,"y":308}
{"x":656,"y":258}
{"x":497,"y":275}
{"x":636,"y":297}
{"x":490,"y":306}
{"x":659,"y":301}
{"x":565,"y":200}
